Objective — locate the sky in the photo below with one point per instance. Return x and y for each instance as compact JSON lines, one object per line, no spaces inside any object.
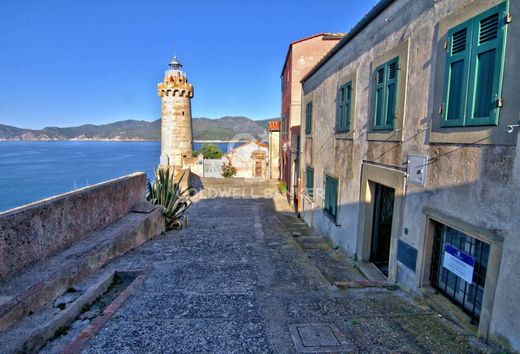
{"x":67,"y":63}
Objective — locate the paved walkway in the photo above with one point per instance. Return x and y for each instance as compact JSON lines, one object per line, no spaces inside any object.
{"x":236,"y":281}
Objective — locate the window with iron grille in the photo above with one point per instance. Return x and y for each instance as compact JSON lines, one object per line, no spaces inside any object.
{"x":308,"y":118}
{"x":466,"y":295}
{"x":343,"y":110}
{"x":385,"y":95}
{"x":474,"y":70}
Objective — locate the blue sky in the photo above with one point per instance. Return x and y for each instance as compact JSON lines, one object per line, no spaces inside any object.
{"x":65,"y":63}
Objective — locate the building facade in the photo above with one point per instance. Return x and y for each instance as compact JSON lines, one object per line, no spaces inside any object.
{"x":176,"y":125}
{"x":250,"y":160}
{"x":301,"y":56}
{"x":410,"y":156}
{"x":273,"y":131}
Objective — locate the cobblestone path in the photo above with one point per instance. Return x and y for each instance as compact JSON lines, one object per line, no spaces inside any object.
{"x":235,"y":281}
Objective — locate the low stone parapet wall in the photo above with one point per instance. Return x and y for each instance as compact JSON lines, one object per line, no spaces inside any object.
{"x":38,"y":230}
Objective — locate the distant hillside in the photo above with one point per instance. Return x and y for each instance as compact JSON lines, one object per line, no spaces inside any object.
{"x":223,"y":128}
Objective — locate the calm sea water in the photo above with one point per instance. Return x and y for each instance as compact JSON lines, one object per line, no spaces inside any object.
{"x":33,"y":170}
{"x":30,"y":171}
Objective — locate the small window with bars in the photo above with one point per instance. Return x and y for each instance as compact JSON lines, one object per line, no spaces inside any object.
{"x":474,"y":70}
{"x":467,"y":295}
{"x":385,"y":95}
{"x":344,"y":107}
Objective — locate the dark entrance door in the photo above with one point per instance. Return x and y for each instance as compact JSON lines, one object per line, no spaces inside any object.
{"x":258,"y":169}
{"x":382,"y":227}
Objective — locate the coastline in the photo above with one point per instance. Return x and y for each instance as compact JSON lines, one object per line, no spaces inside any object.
{"x":119,"y":140}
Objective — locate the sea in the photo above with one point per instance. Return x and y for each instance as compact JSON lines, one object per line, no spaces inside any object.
{"x":33,"y":170}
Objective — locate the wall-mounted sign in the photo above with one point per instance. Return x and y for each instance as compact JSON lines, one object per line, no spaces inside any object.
{"x":416,"y":171}
{"x":459,"y":263}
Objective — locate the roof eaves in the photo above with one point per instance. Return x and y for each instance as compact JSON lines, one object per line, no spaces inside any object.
{"x":369,"y":17}
{"x":325,"y":35}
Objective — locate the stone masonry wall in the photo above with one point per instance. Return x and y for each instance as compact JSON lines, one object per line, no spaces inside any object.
{"x":38,"y":230}
{"x":470,"y":182}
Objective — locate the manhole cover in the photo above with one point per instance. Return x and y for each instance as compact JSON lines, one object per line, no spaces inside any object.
{"x":318,"y":338}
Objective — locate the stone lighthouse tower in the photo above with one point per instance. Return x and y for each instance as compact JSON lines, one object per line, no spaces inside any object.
{"x":176,"y":134}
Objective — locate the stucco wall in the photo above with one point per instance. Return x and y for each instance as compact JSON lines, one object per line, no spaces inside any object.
{"x":241,"y":159}
{"x":274,"y":154}
{"x":36,"y":231}
{"x":473,"y":183}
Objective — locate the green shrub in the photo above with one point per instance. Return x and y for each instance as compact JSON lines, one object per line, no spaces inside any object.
{"x":282,"y":187}
{"x":228,"y":170}
{"x":168,"y":193}
{"x":210,"y":151}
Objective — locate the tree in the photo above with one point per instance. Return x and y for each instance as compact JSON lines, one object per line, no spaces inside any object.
{"x":211,"y":151}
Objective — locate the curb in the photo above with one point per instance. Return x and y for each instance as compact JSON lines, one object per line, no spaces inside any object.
{"x":86,"y":334}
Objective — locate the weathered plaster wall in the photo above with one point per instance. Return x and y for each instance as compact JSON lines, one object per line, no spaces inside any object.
{"x":473,"y":183}
{"x":241,"y":159}
{"x":38,"y":230}
{"x":274,"y":154}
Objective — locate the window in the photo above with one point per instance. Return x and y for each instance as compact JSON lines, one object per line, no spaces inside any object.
{"x":344,"y":107}
{"x":468,"y":295}
{"x":474,"y":70}
{"x":331,"y":196}
{"x":308,"y":118}
{"x":385,"y":95}
{"x":309,"y":181}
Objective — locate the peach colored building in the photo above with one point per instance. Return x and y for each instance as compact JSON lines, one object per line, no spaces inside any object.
{"x":273,"y":129}
{"x":302,"y":56}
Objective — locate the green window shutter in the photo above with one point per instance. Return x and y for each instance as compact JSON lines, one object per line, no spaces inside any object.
{"x":348,"y":106}
{"x":308,"y":118}
{"x":309,"y":181}
{"x":391,"y":93}
{"x":385,"y":97}
{"x":331,"y":195}
{"x":344,"y":98}
{"x":474,"y":69}
{"x":456,"y":74}
{"x":379,"y":96}
{"x":339,"y":109}
{"x":334,"y":197}
{"x":487,"y":64}
{"x":343,"y":117}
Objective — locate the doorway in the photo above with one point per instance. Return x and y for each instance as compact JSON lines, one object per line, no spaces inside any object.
{"x":383,"y":214}
{"x":258,"y":169}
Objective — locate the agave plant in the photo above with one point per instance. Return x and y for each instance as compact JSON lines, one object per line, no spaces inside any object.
{"x":168,"y":193}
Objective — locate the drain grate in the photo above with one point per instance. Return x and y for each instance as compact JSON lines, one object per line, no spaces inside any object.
{"x":318,"y":338}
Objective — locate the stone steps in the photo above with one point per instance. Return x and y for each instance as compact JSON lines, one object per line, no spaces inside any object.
{"x":333,"y":264}
{"x":32,"y":333}
{"x":26,"y":295}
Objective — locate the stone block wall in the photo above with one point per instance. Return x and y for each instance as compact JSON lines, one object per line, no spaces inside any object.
{"x":38,"y":230}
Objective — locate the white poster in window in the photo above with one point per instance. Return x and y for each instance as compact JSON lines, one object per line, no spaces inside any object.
{"x":459,"y":263}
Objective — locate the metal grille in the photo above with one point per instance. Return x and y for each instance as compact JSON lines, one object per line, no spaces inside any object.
{"x":465,"y":295}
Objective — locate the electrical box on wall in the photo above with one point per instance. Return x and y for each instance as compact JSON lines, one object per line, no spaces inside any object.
{"x":416,"y":171}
